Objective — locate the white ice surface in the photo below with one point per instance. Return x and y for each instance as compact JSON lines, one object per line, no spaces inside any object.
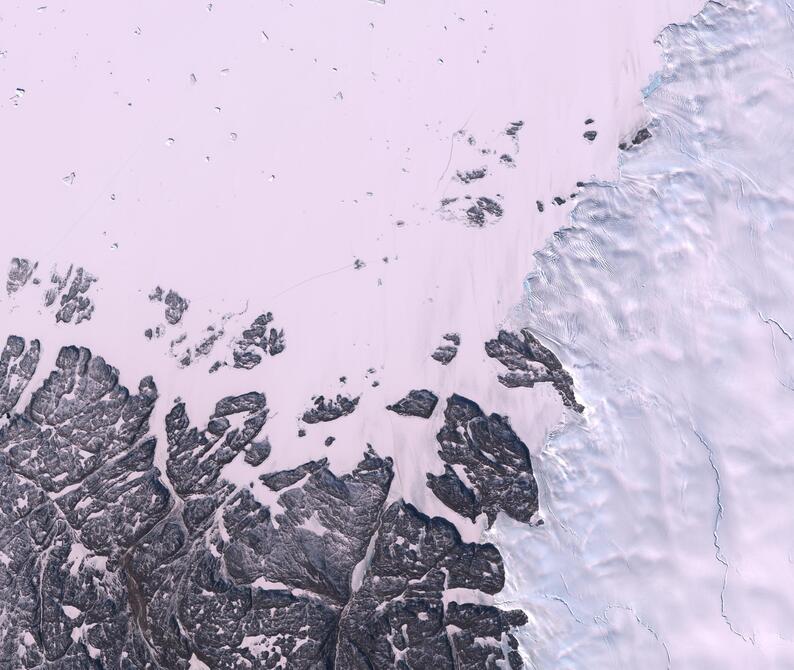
{"x":669,"y":536}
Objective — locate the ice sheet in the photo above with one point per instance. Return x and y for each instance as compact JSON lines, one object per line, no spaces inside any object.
{"x":669,"y":540}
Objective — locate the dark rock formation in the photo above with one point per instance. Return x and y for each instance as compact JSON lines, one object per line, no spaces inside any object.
{"x":484,"y":210}
{"x":590,"y":135}
{"x":19,"y":273}
{"x":284,"y":478}
{"x":469,"y":176}
{"x":329,"y":410}
{"x":531,"y":363}
{"x":397,"y":618}
{"x":444,"y":353}
{"x":495,"y":462}
{"x":513,"y":127}
{"x":105,"y":562}
{"x":17,"y":366}
{"x":419,"y":403}
{"x":258,"y":340}
{"x":175,"y":307}
{"x":641,"y":135}
{"x":175,"y":304}
{"x":453,"y":337}
{"x":257,"y":452}
{"x":539,"y":205}
{"x":73,"y":303}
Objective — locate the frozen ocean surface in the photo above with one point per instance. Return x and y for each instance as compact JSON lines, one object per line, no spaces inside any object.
{"x":668,"y":537}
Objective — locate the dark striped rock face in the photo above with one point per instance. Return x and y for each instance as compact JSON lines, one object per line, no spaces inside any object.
{"x":119,"y":552}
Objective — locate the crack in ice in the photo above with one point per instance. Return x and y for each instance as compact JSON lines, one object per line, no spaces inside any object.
{"x":603,"y":619}
{"x":770,"y":320}
{"x":718,"y":553}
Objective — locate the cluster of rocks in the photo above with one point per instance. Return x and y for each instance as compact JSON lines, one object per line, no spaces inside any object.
{"x":66,"y":294}
{"x":474,"y":210}
{"x":186,"y":354}
{"x":494,"y":462}
{"x":468,"y":176}
{"x":247,"y":350}
{"x":640,"y":136}
{"x":72,"y":303}
{"x":513,"y":128}
{"x":530,"y":363}
{"x":258,"y":340}
{"x":419,"y":403}
{"x":327,"y":409}
{"x":175,"y":304}
{"x":589,"y":134}
{"x":105,"y":561}
{"x":19,"y":274}
{"x":444,"y":353}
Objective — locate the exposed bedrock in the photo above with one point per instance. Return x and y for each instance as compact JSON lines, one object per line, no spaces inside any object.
{"x":444,"y":353}
{"x":175,"y":304}
{"x":330,"y":410}
{"x":496,"y":472}
{"x":419,"y":403}
{"x":530,"y":363}
{"x":107,"y":562}
{"x":397,"y":619}
{"x":19,"y":273}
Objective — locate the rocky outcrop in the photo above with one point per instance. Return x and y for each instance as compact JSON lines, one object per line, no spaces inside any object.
{"x":19,"y":273}
{"x":175,"y":304}
{"x":494,"y":461}
{"x":107,"y":562}
{"x":258,"y":340}
{"x":444,"y":353}
{"x":398,"y":617}
{"x":419,"y":403}
{"x":530,"y":363}
{"x":330,"y":410}
{"x":17,"y":366}
{"x":72,"y":304}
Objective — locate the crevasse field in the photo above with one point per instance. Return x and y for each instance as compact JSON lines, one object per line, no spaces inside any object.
{"x":669,"y":536}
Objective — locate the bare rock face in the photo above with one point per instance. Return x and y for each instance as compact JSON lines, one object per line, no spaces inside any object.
{"x":419,"y":403}
{"x":73,"y":304}
{"x":398,"y":618}
{"x":444,"y":353}
{"x":175,"y":304}
{"x":258,"y":340}
{"x":531,"y":363}
{"x":330,"y":410}
{"x":175,"y":307}
{"x":107,"y":562}
{"x":19,"y":273}
{"x":495,"y":461}
{"x":17,"y":366}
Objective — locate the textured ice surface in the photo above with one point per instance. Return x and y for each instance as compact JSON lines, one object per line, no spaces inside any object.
{"x":669,"y":298}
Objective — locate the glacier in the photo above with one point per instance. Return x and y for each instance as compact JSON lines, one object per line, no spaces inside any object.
{"x":668,"y":541}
